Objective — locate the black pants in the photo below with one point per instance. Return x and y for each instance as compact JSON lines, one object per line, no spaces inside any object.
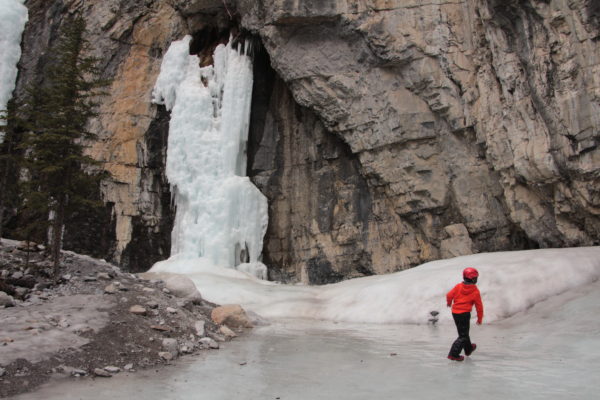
{"x":463,"y":341}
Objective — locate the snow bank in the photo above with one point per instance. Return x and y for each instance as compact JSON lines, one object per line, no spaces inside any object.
{"x":510,"y":282}
{"x":13,"y":16}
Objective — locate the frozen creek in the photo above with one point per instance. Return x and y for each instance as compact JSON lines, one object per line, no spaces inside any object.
{"x":550,"y":351}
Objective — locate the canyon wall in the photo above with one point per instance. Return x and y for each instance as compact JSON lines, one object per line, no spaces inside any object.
{"x":384,"y":133}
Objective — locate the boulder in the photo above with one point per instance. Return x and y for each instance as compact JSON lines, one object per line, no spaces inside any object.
{"x":232,"y":315}
{"x":177,"y":285}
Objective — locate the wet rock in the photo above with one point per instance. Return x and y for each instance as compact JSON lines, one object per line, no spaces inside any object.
{"x":232,"y":315}
{"x":137,"y":310}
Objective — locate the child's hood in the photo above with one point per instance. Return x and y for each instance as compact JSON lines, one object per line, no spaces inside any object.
{"x":467,"y":289}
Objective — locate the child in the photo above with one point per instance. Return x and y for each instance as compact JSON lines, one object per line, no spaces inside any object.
{"x":461,"y":298}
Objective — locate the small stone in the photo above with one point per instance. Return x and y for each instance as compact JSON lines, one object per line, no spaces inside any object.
{"x":89,"y":279}
{"x":112,"y":369}
{"x":102,"y":373}
{"x":148,"y":290}
{"x":171,"y":346}
{"x":2,"y":372}
{"x":6,"y":300}
{"x":67,"y":277}
{"x":165,"y":290}
{"x":128,"y":367}
{"x":64,"y":324}
{"x":152,"y":305}
{"x":171,"y":310}
{"x":186,"y":349}
{"x":209,"y":343}
{"x":137,"y":310}
{"x":110,"y":289}
{"x":162,"y":328}
{"x":17,"y":275}
{"x":165,"y":355}
{"x":103,"y":276}
{"x":78,"y":372}
{"x":199,"y":327}
{"x":225,"y":330}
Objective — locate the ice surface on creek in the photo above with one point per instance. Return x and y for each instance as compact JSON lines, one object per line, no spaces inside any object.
{"x":13,"y":16}
{"x":509,"y":282}
{"x":221,"y":216}
{"x":550,"y":351}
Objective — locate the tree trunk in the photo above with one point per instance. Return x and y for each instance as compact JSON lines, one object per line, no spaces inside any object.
{"x":57,"y":235}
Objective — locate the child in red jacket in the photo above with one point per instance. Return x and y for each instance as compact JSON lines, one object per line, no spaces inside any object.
{"x":461,"y":298}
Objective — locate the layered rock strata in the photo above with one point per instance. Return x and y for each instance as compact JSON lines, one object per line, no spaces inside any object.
{"x":474,"y":123}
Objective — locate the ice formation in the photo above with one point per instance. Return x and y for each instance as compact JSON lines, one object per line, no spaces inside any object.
{"x":509,"y":282}
{"x":221,"y":216}
{"x":13,"y":15}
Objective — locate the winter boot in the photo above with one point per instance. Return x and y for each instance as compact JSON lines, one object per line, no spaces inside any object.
{"x":459,"y":358}
{"x":473,"y":347}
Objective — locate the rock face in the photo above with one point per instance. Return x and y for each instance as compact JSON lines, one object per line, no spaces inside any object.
{"x":480,"y":114}
{"x":129,"y":37}
{"x":384,"y":133}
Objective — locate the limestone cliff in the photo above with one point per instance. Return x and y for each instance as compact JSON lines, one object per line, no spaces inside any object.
{"x":473,"y":125}
{"x":384,"y":133}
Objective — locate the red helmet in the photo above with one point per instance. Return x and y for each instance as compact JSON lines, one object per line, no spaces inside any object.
{"x":470,"y":273}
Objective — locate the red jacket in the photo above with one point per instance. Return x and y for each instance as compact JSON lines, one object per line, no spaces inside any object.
{"x":464,"y":296}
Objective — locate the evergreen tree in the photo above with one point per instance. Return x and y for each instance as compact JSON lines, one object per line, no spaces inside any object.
{"x":58,"y":112}
{"x":10,"y":160}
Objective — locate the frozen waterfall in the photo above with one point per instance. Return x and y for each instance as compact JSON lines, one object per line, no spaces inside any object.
{"x":221,"y":216}
{"x":13,"y":15}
